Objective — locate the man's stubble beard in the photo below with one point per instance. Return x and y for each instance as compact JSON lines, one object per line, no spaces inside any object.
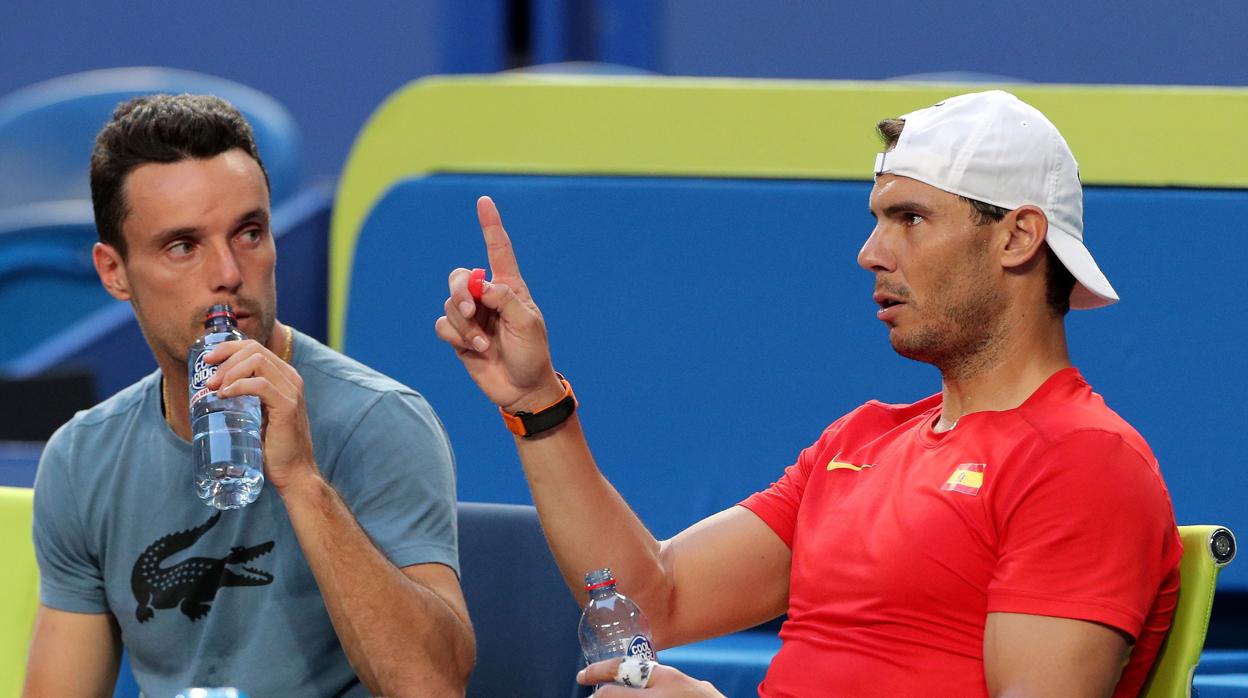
{"x":966,"y":334}
{"x":158,"y":334}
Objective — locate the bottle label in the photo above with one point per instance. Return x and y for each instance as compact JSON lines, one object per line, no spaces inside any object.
{"x":199,"y":378}
{"x":640,"y":648}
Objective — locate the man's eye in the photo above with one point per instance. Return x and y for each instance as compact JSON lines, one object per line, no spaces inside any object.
{"x":252,"y":236}
{"x":180,"y":249}
{"x":913,"y":219}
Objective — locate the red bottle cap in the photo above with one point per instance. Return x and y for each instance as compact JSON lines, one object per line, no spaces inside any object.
{"x":476,"y":281}
{"x":608,"y":582}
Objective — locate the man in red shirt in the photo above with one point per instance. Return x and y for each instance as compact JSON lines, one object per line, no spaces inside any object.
{"x":1010,"y":535}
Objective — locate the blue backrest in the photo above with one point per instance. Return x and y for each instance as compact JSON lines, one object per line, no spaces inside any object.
{"x":47,"y":279}
{"x":524,"y":618}
{"x":47,"y":130}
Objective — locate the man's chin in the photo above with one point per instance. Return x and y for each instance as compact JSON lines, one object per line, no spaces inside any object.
{"x":910,"y":347}
{"x":248,"y":326}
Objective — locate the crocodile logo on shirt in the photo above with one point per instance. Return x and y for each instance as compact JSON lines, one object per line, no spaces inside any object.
{"x":191,"y":584}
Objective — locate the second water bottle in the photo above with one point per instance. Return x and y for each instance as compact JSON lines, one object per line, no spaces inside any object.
{"x":611,"y":624}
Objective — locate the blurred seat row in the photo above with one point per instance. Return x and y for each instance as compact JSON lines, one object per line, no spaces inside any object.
{"x":49,"y":294}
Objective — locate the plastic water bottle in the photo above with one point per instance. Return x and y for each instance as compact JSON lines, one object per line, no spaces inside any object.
{"x":225,"y":442}
{"x":612,"y":625}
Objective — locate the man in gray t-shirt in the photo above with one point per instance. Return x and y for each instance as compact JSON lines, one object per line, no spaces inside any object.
{"x":341,"y":578}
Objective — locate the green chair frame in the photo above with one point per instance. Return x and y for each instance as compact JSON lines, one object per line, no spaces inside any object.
{"x":19,"y":586}
{"x":1206,"y":550}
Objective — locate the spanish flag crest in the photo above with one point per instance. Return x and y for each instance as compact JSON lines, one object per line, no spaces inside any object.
{"x":966,"y":478}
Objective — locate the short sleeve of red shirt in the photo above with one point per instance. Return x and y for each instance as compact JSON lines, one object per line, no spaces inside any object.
{"x":1082,"y":531}
{"x":777,"y":505}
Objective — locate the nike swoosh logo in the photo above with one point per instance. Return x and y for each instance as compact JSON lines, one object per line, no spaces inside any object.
{"x":835,"y":464}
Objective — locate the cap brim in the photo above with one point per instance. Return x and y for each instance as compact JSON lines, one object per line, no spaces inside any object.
{"x":1092,"y":289}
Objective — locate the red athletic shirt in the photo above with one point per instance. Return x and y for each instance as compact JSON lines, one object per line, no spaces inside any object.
{"x":904,"y":540}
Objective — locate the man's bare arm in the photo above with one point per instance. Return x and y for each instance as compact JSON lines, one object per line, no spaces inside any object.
{"x":1029,"y":656}
{"x":72,"y":655}
{"x":406,"y":631}
{"x":727,"y":572}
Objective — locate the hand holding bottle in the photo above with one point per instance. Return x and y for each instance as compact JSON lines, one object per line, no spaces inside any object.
{"x":660,"y":681}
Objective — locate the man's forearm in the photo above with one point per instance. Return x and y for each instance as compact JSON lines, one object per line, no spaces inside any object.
{"x":401,"y":636}
{"x":586,"y":521}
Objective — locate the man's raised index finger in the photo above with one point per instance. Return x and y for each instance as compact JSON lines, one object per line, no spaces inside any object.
{"x":497,"y":245}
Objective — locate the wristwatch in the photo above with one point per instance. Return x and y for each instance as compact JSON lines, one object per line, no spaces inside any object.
{"x":527,"y":424}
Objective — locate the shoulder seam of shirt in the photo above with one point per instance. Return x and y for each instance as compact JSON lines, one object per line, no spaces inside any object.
{"x":1150,"y":463}
{"x":396,"y":387}
{"x":378,"y":396}
{"x":1052,"y":441}
{"x":103,"y":412}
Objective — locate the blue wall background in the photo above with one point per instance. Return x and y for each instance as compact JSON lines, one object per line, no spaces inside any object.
{"x":331,"y":63}
{"x":1107,"y":41}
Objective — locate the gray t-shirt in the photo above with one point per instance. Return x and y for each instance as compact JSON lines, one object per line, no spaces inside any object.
{"x":208,"y":598}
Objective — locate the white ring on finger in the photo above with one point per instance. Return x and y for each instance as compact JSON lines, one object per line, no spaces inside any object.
{"x":634,"y":672}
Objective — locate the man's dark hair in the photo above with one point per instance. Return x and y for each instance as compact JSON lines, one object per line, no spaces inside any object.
{"x":159,"y":128}
{"x":1059,"y":282}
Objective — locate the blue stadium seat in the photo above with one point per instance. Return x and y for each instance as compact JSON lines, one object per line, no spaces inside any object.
{"x":46,"y":275}
{"x":1221,"y":686}
{"x":47,"y":130}
{"x":18,"y":460}
{"x":1223,"y":661}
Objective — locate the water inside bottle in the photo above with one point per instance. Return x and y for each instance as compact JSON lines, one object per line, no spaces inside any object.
{"x":227,"y":451}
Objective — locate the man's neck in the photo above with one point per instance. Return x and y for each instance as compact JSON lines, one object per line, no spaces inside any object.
{"x":1004,"y":380}
{"x":174,"y":401}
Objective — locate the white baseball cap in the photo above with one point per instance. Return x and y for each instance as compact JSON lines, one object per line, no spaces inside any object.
{"x":995,"y":148}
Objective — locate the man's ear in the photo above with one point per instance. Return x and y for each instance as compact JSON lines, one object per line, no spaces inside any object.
{"x":111,"y":269}
{"x":1027,"y":227}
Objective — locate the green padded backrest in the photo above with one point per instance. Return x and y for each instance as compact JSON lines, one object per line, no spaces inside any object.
{"x":19,"y":586}
{"x":1205,"y":551}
